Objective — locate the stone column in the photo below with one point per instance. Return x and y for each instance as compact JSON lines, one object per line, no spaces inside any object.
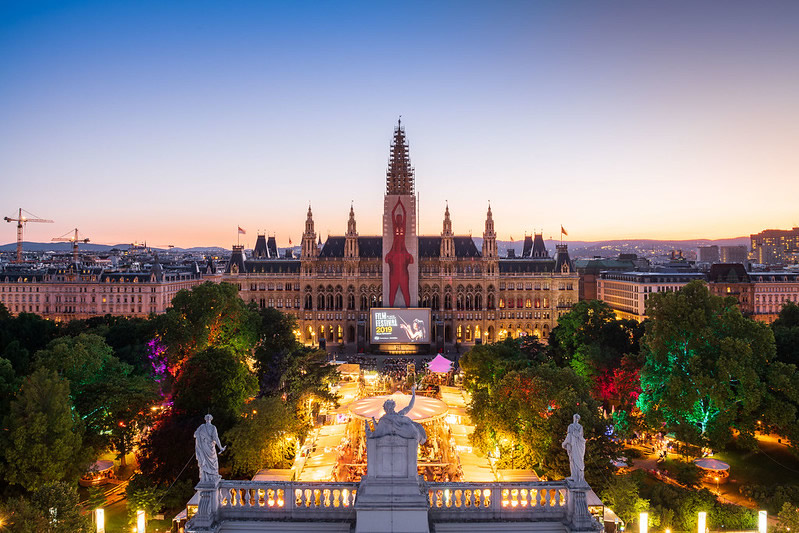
{"x":205,"y":520}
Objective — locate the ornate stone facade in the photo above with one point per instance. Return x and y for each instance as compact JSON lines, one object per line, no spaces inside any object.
{"x":475,"y":295}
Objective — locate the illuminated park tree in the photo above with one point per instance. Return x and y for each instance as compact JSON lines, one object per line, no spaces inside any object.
{"x":706,"y":369}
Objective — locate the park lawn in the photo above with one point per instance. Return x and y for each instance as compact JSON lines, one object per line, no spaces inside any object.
{"x":774,"y":464}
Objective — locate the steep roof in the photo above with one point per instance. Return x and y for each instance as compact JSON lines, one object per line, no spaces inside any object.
{"x":526,"y":265}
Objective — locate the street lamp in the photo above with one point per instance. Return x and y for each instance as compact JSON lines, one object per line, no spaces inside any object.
{"x":762,"y":521}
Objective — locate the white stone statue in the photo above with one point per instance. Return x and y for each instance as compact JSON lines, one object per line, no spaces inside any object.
{"x":397,"y":423}
{"x":206,"y":439}
{"x":575,"y":447}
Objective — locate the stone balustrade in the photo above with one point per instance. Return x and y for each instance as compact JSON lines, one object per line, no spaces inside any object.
{"x":286,"y":500}
{"x":447,"y":501}
{"x":498,"y":501}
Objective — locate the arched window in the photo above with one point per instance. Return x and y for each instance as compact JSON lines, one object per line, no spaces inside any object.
{"x":491,"y":304}
{"x":364,"y":303}
{"x":478,"y":303}
{"x":460,"y":302}
{"x":448,"y":302}
{"x":469,"y":302}
{"x":351,"y":302}
{"x":330,"y":301}
{"x":436,"y":302}
{"x":320,"y":301}
{"x":501,"y":301}
{"x":308,"y":301}
{"x":339,"y":302}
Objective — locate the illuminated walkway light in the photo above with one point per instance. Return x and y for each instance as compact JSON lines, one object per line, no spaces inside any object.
{"x":643,"y":522}
{"x":99,"y":518}
{"x":702,"y":523}
{"x":140,"y":524}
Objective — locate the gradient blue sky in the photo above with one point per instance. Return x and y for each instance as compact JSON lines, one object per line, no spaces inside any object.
{"x":175,"y":122}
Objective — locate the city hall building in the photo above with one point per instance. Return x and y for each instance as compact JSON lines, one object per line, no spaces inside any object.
{"x":470,"y":294}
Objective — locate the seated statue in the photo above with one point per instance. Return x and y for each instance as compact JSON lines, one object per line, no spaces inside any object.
{"x":397,"y":423}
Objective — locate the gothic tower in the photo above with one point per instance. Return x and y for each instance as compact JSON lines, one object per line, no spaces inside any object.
{"x":489,"y":252}
{"x":309,"y":247}
{"x":400,"y":243}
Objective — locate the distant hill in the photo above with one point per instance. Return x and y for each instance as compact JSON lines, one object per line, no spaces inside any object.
{"x":608,"y":248}
{"x":60,"y":247}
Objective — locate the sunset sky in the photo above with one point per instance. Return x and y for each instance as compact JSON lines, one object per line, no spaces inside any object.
{"x":176,"y":122}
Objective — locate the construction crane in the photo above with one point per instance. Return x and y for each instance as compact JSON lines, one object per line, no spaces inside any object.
{"x":74,"y":240}
{"x":21,"y":220}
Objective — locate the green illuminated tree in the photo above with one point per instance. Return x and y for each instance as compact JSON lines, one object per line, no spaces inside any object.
{"x":706,"y":365}
{"x":42,"y":441}
{"x":112,"y":401}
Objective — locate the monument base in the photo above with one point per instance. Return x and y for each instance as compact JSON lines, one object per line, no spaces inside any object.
{"x":386,"y":506}
{"x":204,"y":520}
{"x":391,"y":497}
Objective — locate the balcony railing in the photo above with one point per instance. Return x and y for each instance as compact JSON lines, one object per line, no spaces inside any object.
{"x":284,"y":500}
{"x":287,"y":500}
{"x":497,"y":501}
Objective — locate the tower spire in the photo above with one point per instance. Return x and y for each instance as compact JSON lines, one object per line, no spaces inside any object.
{"x":399,"y":176}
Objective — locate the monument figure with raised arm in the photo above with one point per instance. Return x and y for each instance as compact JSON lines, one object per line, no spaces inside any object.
{"x":575,"y":447}
{"x":397,"y":423}
{"x":206,"y":439}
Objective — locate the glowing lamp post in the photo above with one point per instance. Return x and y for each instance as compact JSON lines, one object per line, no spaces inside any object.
{"x":702,"y":523}
{"x":141,"y":526}
{"x":99,"y":519}
{"x":643,"y":522}
{"x":762,"y":521}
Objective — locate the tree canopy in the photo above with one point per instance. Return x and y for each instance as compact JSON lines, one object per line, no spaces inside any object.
{"x":523,"y":408}
{"x":706,"y":366}
{"x":43,"y":438}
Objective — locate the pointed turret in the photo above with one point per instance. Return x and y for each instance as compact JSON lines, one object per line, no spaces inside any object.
{"x":351,"y":242}
{"x":539,"y":250}
{"x":489,"y":237}
{"x":447,"y":237}
{"x":562,"y":261}
{"x":260,"y":250}
{"x":309,"y":247}
{"x":399,"y":176}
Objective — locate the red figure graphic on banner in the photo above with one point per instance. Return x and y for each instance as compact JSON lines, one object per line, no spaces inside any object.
{"x":398,"y":258}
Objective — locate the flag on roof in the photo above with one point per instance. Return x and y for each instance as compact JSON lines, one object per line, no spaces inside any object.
{"x":241,"y":231}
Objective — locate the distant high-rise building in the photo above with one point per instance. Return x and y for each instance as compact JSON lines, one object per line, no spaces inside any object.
{"x":708,"y":254}
{"x":774,"y":246}
{"x":734,"y":254}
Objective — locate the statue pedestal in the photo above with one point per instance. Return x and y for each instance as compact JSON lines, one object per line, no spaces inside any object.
{"x":580,"y":517}
{"x":204,"y":519}
{"x":391,"y":496}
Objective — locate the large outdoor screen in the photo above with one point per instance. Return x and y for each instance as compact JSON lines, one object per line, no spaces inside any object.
{"x":390,"y":325}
